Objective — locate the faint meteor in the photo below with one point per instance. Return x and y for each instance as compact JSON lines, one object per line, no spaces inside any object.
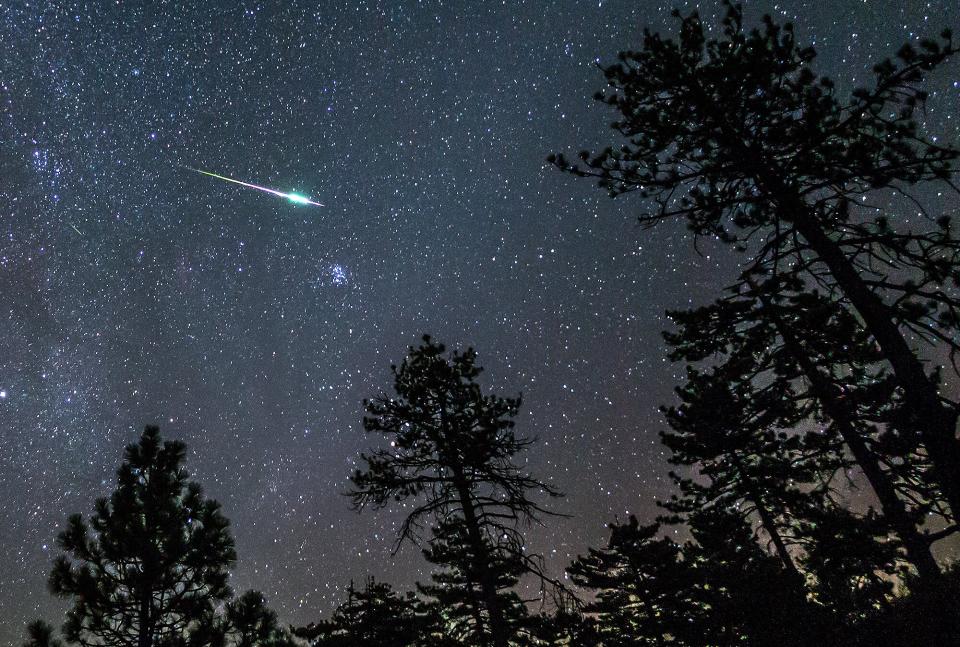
{"x":292,"y":197}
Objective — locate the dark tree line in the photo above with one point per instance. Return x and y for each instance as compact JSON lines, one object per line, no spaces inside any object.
{"x":806,"y":379}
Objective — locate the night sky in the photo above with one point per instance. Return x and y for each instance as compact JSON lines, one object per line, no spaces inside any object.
{"x":134,"y":291}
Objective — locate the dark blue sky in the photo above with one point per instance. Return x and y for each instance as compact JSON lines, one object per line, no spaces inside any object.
{"x":133,"y":291}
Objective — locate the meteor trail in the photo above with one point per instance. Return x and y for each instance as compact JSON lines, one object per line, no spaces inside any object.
{"x":292,"y":197}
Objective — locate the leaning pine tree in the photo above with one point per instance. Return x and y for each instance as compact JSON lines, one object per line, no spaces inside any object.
{"x":738,"y":137}
{"x":779,"y":350}
{"x":452,"y":457}
{"x":744,"y":464}
{"x":152,"y":563}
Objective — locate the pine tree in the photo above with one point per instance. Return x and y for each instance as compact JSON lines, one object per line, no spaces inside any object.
{"x":248,"y":622}
{"x":641,"y":588}
{"x":152,"y":562}
{"x":41,"y":634}
{"x":373,"y":615}
{"x":852,"y":562}
{"x":733,"y":434}
{"x":451,"y":455}
{"x":456,"y":590}
{"x":743,"y":595}
{"x":786,"y":350}
{"x":737,"y":136}
{"x":565,"y":625}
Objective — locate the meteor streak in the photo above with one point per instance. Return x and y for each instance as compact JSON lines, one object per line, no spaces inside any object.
{"x":292,"y":197}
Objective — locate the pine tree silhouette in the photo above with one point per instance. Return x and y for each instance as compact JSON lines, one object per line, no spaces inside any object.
{"x":150,"y":567}
{"x":373,"y":615}
{"x":245,"y":621}
{"x":733,"y":435}
{"x":451,"y":457}
{"x":40,"y":634}
{"x":456,"y":590}
{"x":642,"y":588}
{"x":851,"y":562}
{"x":792,"y":360}
{"x":737,"y":136}
{"x":564,"y":625}
{"x":743,"y":596}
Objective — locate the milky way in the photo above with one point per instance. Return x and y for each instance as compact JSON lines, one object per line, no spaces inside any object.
{"x":133,"y":292}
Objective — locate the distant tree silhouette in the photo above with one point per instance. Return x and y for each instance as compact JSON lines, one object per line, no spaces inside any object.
{"x":249,"y":623}
{"x":742,"y":595}
{"x":41,"y":634}
{"x":564,"y":625}
{"x":373,"y":615}
{"x":150,"y":568}
{"x":851,"y":562}
{"x":738,"y":137}
{"x":245,"y":621}
{"x":451,"y":457}
{"x":642,"y":588}
{"x":456,"y":591}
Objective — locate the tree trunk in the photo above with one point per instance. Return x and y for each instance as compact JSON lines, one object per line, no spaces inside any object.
{"x":935,"y":422}
{"x":767,"y":521}
{"x":145,"y":621}
{"x":918,"y":549}
{"x":488,"y":587}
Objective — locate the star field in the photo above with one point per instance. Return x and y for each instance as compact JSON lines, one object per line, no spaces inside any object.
{"x":133,"y":291}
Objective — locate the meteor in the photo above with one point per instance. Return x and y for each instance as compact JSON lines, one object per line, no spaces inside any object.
{"x":292,"y":197}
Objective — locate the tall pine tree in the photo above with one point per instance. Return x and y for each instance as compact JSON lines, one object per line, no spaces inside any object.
{"x":452,"y":460}
{"x":740,"y":138}
{"x":152,"y":561}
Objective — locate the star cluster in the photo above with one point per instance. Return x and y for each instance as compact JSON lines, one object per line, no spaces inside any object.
{"x":133,"y":291}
